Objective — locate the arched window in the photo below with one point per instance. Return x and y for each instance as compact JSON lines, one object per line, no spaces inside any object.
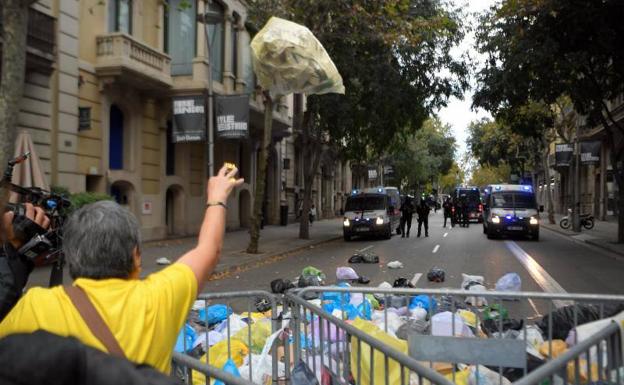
{"x":116,"y":139}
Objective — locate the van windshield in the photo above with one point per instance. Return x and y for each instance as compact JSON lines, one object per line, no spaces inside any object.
{"x":510,"y":200}
{"x":366,"y":203}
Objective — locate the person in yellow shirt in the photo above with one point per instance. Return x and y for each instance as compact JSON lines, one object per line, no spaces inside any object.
{"x":103,"y":253}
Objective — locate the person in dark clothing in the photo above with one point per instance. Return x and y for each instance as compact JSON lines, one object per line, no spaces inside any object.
{"x":448,"y":210}
{"x":423,"y":217}
{"x":407,"y":212}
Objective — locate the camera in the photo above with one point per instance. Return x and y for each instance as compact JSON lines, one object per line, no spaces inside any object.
{"x":40,"y":246}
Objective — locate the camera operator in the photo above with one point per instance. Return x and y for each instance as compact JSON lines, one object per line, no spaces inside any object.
{"x":15,"y":268}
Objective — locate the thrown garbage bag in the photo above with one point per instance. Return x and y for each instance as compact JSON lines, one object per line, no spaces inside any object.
{"x":563,"y":319}
{"x":556,"y":347}
{"x":436,"y":275}
{"x":418,"y":313}
{"x":346,"y":273}
{"x":363,"y":280}
{"x":491,"y":326}
{"x":402,"y":282}
{"x":262,"y":304}
{"x":364,"y":258}
{"x":509,"y":282}
{"x":313,"y":271}
{"x":302,"y":375}
{"x":229,"y":367}
{"x":449,"y":303}
{"x":287,"y":58}
{"x":280,"y":286}
{"x":485,"y":376}
{"x":395,"y":265}
{"x":471,"y":280}
{"x":218,"y":356}
{"x":442,"y":325}
{"x":424,"y":301}
{"x":259,"y":332}
{"x":186,"y":339}
{"x":214,"y":314}
{"x":412,"y":326}
{"x":495,"y":311}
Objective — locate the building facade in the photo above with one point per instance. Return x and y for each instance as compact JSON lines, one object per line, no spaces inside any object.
{"x":98,"y":105}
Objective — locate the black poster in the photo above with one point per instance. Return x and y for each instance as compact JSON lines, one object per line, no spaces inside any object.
{"x":563,"y":154}
{"x":189,"y":119}
{"x":590,"y":152}
{"x":232,"y":116}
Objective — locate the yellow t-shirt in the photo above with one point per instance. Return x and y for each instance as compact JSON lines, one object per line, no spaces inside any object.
{"x":144,"y":315}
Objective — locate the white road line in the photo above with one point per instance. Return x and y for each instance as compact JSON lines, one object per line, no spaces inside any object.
{"x":414,"y":280}
{"x":435,"y":249}
{"x":537,"y":313}
{"x":366,"y":248}
{"x":541,"y":276}
{"x":445,"y":234}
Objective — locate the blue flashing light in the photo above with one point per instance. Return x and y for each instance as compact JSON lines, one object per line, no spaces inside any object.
{"x":354,"y":192}
{"x":474,"y":189}
{"x":380,"y":189}
{"x":51,"y":204}
{"x":526,"y":188}
{"x":508,"y":216}
{"x":486,"y":191}
{"x":498,"y":187}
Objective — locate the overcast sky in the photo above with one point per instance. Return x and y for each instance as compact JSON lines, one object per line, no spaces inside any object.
{"x":458,"y":112}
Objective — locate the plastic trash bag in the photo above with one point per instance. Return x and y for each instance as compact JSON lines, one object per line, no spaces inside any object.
{"x":509,"y":282}
{"x":402,"y":282}
{"x":385,"y":285}
{"x":469,"y":317}
{"x":563,"y":319}
{"x":471,"y":280}
{"x":418,"y":313}
{"x":393,"y":320}
{"x":260,"y":331}
{"x":424,"y":301}
{"x":235,"y":323}
{"x":558,"y":347}
{"x":395,"y":265}
{"x":363,"y":360}
{"x":485,"y":376}
{"x":495,"y":312}
{"x":533,"y":336}
{"x":436,"y":275}
{"x":442,"y":325}
{"x":261,"y":368}
{"x":287,"y":58}
{"x":412,"y":327}
{"x":364,"y":258}
{"x":219,"y":356}
{"x":213,"y":338}
{"x":461,"y":376}
{"x":374,"y":302}
{"x":280,"y":286}
{"x":365,"y":310}
{"x":229,"y":367}
{"x":214,"y":314}
{"x":187,"y":333}
{"x":346,"y":273}
{"x":313,"y":271}
{"x":302,"y":375}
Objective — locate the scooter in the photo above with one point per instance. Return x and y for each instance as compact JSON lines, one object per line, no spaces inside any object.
{"x":587,"y":221}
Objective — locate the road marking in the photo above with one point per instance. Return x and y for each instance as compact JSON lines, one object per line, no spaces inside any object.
{"x":414,"y":280}
{"x":435,"y":249}
{"x":541,"y":276}
{"x":537,"y":313}
{"x":366,"y":248}
{"x":445,"y":234}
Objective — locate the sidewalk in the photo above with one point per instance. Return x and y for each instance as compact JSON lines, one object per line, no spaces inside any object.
{"x":603,"y":235}
{"x":275,"y":243}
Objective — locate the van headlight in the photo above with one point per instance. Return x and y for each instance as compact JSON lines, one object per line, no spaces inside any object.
{"x":346,"y":222}
{"x":495,"y":219}
{"x":379,"y":221}
{"x":533,"y":221}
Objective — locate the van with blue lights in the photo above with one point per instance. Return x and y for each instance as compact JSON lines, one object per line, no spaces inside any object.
{"x":511,"y":209}
{"x":471,"y":196}
{"x":371,"y":212}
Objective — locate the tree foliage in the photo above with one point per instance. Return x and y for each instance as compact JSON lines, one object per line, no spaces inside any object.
{"x":483,"y":175}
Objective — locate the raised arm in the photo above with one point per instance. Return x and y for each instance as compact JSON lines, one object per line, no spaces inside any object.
{"x":205,"y":256}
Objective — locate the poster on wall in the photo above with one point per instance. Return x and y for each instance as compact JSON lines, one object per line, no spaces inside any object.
{"x":372,"y":173}
{"x":590,"y":152}
{"x":189,"y":119}
{"x":232,"y":116}
{"x":563,"y":154}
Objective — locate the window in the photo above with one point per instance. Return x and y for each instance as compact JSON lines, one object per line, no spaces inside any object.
{"x":180,"y":35}
{"x":216,"y":34}
{"x":235,"y":45}
{"x":170,"y":156}
{"x":120,"y":16}
{"x":116,"y":139}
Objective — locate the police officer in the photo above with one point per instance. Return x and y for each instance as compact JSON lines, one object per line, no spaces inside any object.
{"x":447,"y":206}
{"x":423,"y":217}
{"x":407,"y":212}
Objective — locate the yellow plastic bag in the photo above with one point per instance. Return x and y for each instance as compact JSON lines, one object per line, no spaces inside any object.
{"x":287,"y":58}
{"x":558,"y":347}
{"x":219,"y":355}
{"x":583,"y":375}
{"x":469,"y":317}
{"x":379,"y":362}
{"x":461,"y":376}
{"x":260,"y":331}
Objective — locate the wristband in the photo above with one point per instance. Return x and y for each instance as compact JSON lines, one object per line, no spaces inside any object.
{"x":216,"y":203}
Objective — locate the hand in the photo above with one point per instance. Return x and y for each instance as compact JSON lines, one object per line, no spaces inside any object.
{"x":220,"y":185}
{"x":35,"y":214}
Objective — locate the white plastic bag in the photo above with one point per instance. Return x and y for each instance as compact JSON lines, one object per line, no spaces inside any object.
{"x":509,"y":282}
{"x":474,"y":283}
{"x":442,"y":325}
{"x":261,"y":364}
{"x":485,"y":376}
{"x":287,"y":58}
{"x":346,"y":273}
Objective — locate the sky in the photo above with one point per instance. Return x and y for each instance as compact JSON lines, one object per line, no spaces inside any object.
{"x":458,"y":113}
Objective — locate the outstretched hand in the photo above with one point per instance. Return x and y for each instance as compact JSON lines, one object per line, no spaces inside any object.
{"x":33,"y":213}
{"x":221,"y":185}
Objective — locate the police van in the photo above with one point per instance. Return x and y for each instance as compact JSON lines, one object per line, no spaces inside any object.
{"x":511,"y":209}
{"x":372,"y":212}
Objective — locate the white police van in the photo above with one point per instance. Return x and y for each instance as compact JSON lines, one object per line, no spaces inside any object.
{"x":372,"y":211}
{"x":511,"y":209}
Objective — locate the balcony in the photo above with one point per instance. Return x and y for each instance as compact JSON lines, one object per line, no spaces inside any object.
{"x":40,"y":42}
{"x":122,"y":59}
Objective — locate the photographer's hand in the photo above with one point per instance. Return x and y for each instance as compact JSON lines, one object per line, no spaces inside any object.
{"x":34,"y":214}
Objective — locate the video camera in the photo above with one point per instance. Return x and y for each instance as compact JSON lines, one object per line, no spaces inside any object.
{"x":40,"y":247}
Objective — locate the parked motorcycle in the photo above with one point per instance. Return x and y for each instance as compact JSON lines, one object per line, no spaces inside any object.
{"x":587,"y":221}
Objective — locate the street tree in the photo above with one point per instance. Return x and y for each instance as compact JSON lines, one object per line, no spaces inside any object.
{"x":394,"y":57}
{"x":14,"y":20}
{"x":542,"y":49}
{"x":482,"y":175}
{"x":451,"y":179}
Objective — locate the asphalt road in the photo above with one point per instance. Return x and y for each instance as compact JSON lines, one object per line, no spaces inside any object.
{"x":555,"y":263}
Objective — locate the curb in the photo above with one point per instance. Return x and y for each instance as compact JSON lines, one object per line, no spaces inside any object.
{"x":620,"y":254}
{"x":267,"y":259}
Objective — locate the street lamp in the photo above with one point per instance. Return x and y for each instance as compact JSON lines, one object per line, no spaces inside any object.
{"x":210,"y":17}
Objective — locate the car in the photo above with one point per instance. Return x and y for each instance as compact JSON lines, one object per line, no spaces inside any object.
{"x":472,"y":195}
{"x":511,"y":209}
{"x":371,"y":212}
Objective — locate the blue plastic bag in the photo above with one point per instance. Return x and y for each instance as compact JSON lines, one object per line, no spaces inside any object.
{"x":215,"y":314}
{"x":424,"y":301}
{"x":229,"y":367}
{"x":365,"y":310}
{"x":333,"y":296}
{"x":191,"y":336}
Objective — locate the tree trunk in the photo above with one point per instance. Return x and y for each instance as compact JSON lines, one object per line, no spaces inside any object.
{"x":549,"y":199}
{"x":15,"y":26}
{"x":311,"y":159}
{"x":254,"y":231}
